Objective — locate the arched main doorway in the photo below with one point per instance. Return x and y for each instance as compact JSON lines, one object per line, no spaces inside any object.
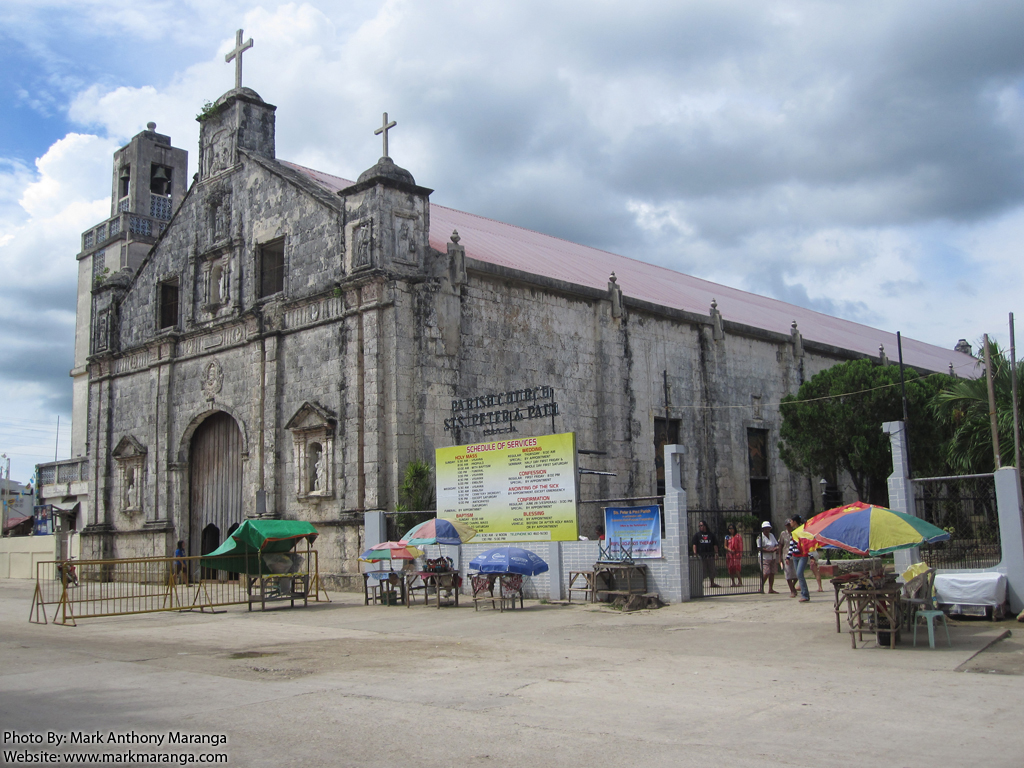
{"x":215,"y":483}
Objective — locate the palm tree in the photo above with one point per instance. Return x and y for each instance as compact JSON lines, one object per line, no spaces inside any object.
{"x":963,"y":406}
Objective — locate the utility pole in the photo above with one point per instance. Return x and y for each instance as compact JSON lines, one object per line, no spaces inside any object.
{"x":992,"y":405}
{"x":6,"y":490}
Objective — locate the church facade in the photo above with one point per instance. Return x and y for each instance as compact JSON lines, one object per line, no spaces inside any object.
{"x":288,"y":341}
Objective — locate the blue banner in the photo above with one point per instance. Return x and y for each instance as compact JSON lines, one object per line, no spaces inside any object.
{"x":639,"y":527}
{"x":43,"y":520}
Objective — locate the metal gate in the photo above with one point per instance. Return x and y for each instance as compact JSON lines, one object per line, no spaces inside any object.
{"x":215,"y":480}
{"x":966,"y":507}
{"x":748,"y":526}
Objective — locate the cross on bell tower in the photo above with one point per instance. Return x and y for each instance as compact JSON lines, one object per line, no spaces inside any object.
{"x":236,"y":54}
{"x":384,"y":128}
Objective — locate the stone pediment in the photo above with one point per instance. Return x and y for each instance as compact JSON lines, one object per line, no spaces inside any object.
{"x":128,"y":448}
{"x":311,"y":416}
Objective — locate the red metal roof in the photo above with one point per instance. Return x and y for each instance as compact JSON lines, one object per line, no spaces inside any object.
{"x":510,"y":246}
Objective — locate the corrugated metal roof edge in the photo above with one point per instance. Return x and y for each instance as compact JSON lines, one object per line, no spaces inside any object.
{"x":702,"y":282}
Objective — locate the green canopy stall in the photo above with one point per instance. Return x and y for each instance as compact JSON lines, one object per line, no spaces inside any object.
{"x":265,"y":552}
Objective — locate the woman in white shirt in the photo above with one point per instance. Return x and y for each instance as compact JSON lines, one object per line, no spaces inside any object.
{"x":768,"y":552}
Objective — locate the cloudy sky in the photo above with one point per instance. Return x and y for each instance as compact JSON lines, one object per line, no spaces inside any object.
{"x":864,"y":159}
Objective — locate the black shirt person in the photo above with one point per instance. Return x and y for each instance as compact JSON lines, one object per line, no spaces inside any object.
{"x":705,"y":546}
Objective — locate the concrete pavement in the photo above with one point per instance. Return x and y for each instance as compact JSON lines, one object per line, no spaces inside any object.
{"x":740,"y":681}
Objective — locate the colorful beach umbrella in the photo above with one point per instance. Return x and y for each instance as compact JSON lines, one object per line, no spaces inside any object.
{"x":509,"y":560}
{"x":390,"y":550}
{"x":439,"y":531}
{"x":867,"y":529}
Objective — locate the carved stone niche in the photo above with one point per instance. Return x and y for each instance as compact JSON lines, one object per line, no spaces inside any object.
{"x":130,"y":456}
{"x":312,"y":429}
{"x":217,"y":281}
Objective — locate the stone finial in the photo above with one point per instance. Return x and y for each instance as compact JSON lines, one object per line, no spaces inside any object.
{"x":951,"y":371}
{"x":882,"y":358}
{"x":457,"y":260}
{"x":615,"y":295}
{"x":798,"y":340}
{"x":717,"y":329}
{"x":150,"y":126}
{"x":965,"y":347}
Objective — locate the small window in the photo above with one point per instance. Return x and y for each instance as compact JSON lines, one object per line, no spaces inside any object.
{"x":160,"y":180}
{"x":124,"y":181}
{"x":168,"y":304}
{"x":271,"y":268}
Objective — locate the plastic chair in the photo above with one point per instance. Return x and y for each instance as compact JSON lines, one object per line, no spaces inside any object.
{"x":930,"y":616}
{"x":919,"y":596}
{"x":483,"y":589}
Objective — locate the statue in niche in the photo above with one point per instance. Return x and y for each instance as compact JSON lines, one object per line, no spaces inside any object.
{"x":130,"y":489}
{"x":319,"y":472}
{"x":220,"y":218}
{"x":222,"y":286}
{"x":361,"y":240}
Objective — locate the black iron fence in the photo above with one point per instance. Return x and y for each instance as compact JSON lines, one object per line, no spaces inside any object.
{"x":964,"y":506}
{"x":714,"y":577}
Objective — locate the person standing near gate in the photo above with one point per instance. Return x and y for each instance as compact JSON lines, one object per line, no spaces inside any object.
{"x":179,"y":552}
{"x":705,"y":546}
{"x":768,"y":552}
{"x":734,"y":556}
{"x":799,"y":549}
{"x":788,"y":548}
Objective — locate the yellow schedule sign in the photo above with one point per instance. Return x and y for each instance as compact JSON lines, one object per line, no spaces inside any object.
{"x":522,"y":489}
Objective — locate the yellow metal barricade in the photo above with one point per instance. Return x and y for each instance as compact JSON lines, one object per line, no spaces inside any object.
{"x":81,"y":589}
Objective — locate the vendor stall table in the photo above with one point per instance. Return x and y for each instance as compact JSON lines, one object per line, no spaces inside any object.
{"x":874,"y":611}
{"x":379,"y":585}
{"x":620,"y":579}
{"x":431,"y":581}
{"x":972,"y":592}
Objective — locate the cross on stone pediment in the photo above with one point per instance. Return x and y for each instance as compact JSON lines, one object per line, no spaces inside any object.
{"x":236,"y":54}
{"x":384,"y":128}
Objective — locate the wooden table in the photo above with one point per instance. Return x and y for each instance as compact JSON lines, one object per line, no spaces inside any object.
{"x":620,"y":579}
{"x":431,"y":580}
{"x":374,"y":593}
{"x":868,"y":609}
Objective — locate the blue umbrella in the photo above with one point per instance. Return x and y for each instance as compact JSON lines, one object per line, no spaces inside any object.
{"x":509,"y":560}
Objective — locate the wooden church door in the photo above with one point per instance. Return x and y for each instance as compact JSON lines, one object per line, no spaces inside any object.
{"x":215,"y":484}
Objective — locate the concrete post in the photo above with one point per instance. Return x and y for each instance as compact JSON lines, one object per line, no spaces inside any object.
{"x":555,"y":570}
{"x":375,"y":528}
{"x":1011,"y":535}
{"x":901,"y":491}
{"x":673,"y":546}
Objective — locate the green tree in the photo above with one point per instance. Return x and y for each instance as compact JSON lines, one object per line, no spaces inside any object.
{"x":962,"y":405}
{"x":416,"y":495}
{"x":833,"y":425}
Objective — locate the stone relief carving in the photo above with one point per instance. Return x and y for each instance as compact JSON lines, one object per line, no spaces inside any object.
{"x":217,"y":154}
{"x":213,"y":379}
{"x":361,"y":241}
{"x":405,"y":238}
